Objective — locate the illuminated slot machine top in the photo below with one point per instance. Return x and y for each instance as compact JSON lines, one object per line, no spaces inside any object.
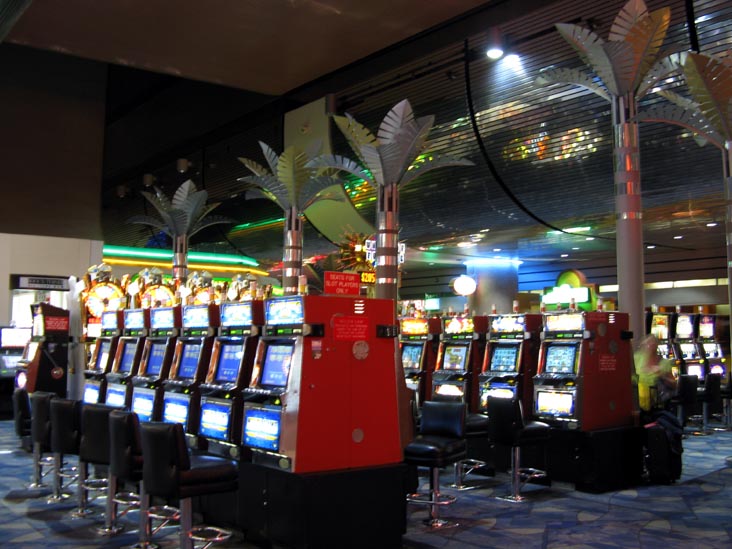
{"x":687,"y":327}
{"x":710,"y":347}
{"x":663,"y":326}
{"x":449,"y":380}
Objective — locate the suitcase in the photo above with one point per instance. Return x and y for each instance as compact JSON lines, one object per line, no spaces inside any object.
{"x":662,"y":456}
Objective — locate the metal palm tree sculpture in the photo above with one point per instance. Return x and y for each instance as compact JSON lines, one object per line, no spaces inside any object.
{"x":180,"y":218}
{"x":395,"y":157}
{"x":293,"y":186}
{"x":628,"y":64}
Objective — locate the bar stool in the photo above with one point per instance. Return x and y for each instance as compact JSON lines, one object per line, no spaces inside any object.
{"x":170,"y":472}
{"x":22,"y":418}
{"x":506,"y":426}
{"x":65,"y":439}
{"x":711,"y":399}
{"x":440,"y":442}
{"x":93,"y":450}
{"x":685,"y":398}
{"x":476,"y":429}
{"x":40,"y":402}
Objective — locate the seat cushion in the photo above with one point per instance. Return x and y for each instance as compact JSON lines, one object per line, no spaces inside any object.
{"x":476,"y":425}
{"x":208,"y":475}
{"x":435,"y":451}
{"x":533,"y":431}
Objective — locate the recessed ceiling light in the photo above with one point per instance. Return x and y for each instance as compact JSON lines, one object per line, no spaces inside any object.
{"x":712,"y":224}
{"x":565,"y":255}
{"x":496,"y":249}
{"x":484,"y":230}
{"x":465,"y":244}
{"x":678,"y":237}
{"x":590,"y":238}
{"x":575,"y":248}
{"x":650,"y":246}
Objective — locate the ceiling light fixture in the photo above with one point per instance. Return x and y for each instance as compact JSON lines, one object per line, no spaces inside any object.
{"x":712,"y":224}
{"x":678,"y":237}
{"x":495,"y":48}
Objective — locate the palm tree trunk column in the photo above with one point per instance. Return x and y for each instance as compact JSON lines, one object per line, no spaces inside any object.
{"x":628,"y":213}
{"x":387,"y":242}
{"x":292,"y":257}
{"x":727,"y":174}
{"x":180,"y":258}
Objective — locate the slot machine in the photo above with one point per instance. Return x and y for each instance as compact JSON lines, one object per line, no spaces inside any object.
{"x":44,"y":366}
{"x":687,"y":328}
{"x":229,"y":371}
{"x":584,"y":373}
{"x":325,"y":386}
{"x":127,"y":357}
{"x":12,"y":345}
{"x":154,"y":368}
{"x":710,"y":347}
{"x":663,"y":326}
{"x":418,"y":340}
{"x":102,"y":357}
{"x":511,"y":359}
{"x":459,"y":358}
{"x":181,"y":396}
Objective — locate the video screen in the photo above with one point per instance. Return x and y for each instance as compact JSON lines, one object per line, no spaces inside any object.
{"x":236,"y":314}
{"x":412,"y":356}
{"x":14,"y":337}
{"x":688,"y":350}
{"x":109,"y":320}
{"x":414,"y":326}
{"x":230,"y":356}
{"x":448,"y":391}
{"x":143,"y":401}
{"x":175,"y":408}
{"x":458,"y":325}
{"x":564,"y":322}
{"x":127,"y":359}
{"x":195,"y":316}
{"x":508,"y":324}
{"x":659,"y":326}
{"x":103,"y":354}
{"x":496,"y":391}
{"x":91,"y":393}
{"x":555,"y":403}
{"x":155,"y":359}
{"x":9,"y":362}
{"x":504,"y":358}
{"x":284,"y":310}
{"x":665,"y":350}
{"x":559,"y":359}
{"x":116,"y":395}
{"x":685,"y":327}
{"x":189,"y":360}
{"x":134,"y":319}
{"x":712,"y":350}
{"x":162,"y":319}
{"x":718,"y":369}
{"x":215,"y":417}
{"x":276,"y":369}
{"x":262,"y":428}
{"x":695,"y":370}
{"x":706,"y":327}
{"x":455,"y":358}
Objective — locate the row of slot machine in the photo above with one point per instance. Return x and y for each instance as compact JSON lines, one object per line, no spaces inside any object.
{"x":571,"y":369}
{"x":692,"y":341}
{"x":274,"y":381}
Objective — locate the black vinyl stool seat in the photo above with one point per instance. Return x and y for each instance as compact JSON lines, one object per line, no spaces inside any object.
{"x":65,"y":440}
{"x":170,"y":472}
{"x":476,"y":427}
{"x":40,"y":402}
{"x":710,"y":397}
{"x":685,"y":398}
{"x":725,"y":393}
{"x":507,"y":427}
{"x":93,"y":450}
{"x":440,"y":442}
{"x":22,"y":418}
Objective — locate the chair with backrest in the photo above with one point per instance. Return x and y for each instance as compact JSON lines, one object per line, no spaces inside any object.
{"x":476,"y":437}
{"x":22,"y":418}
{"x":40,"y":402}
{"x":506,"y":426}
{"x":65,"y":440}
{"x":685,"y":398}
{"x":440,"y":442}
{"x":710,"y":397}
{"x":170,"y":472}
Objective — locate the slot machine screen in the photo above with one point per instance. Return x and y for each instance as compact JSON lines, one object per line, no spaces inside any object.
{"x":215,"y":417}
{"x":560,"y":359}
{"x":458,"y":325}
{"x":109,"y":320}
{"x":227,"y":369}
{"x":659,"y":326}
{"x":262,"y":428}
{"x":287,"y":310}
{"x":412,"y":356}
{"x":504,"y":358}
{"x":695,"y":370}
{"x":712,"y":350}
{"x":718,"y":369}
{"x":103,"y":354}
{"x":508,"y":324}
{"x":143,"y":401}
{"x":496,"y":391}
{"x":688,"y":350}
{"x":134,"y":319}
{"x":448,"y":391}
{"x":175,"y":408}
{"x":555,"y":403}
{"x":162,"y":319}
{"x":665,"y":350}
{"x":414,"y":326}
{"x":128,"y":357}
{"x":91,"y":393}
{"x":155,"y":359}
{"x":195,"y":316}
{"x":706,"y":327}
{"x":456,"y":357}
{"x":276,"y":366}
{"x":116,"y":395}
{"x":684,"y":327}
{"x":189,"y":360}
{"x":14,"y":337}
{"x":236,"y":314}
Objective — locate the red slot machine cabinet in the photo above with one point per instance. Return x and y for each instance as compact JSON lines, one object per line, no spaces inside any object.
{"x":229,"y":371}
{"x":181,"y":397}
{"x":584,"y":375}
{"x":157,"y":358}
{"x":44,"y":366}
{"x":418,"y":341}
{"x":127,"y":357}
{"x":663,"y":326}
{"x":685,"y":336}
{"x":459,"y":359}
{"x":102,"y":358}
{"x":327,"y":391}
{"x":511,"y":359}
{"x":710,"y":347}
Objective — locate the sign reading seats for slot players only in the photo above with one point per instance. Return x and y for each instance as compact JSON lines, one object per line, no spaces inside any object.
{"x":337,"y":283}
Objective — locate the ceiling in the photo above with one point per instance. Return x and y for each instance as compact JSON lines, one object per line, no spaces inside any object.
{"x":372,"y":54}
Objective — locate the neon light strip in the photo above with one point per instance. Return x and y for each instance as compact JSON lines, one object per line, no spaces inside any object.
{"x":191,"y":266}
{"x":142,"y":253}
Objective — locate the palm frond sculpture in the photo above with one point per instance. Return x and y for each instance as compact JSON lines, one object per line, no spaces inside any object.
{"x":293,"y":186}
{"x":395,"y":157}
{"x":180,"y":218}
{"x":627,"y":65}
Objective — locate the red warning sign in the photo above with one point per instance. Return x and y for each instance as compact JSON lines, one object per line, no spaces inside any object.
{"x":342,"y":283}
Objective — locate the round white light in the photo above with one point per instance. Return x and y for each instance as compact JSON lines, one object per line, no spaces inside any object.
{"x":494,"y":53}
{"x":464,"y":285}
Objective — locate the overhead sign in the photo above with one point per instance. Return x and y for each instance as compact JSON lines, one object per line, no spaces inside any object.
{"x":39,"y":282}
{"x":370,"y":245}
{"x":337,"y":283}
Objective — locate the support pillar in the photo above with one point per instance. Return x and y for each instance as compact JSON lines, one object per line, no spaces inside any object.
{"x":497,"y":285}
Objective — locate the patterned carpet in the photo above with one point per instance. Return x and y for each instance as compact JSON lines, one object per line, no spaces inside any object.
{"x":694,"y":512}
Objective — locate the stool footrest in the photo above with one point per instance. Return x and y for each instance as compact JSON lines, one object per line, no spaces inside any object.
{"x":96,"y":484}
{"x":426,"y":499}
{"x":209,"y":534}
{"x":130,"y":499}
{"x":164,"y":512}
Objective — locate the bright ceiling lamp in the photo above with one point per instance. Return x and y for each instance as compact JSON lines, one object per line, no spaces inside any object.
{"x":495,"y":48}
